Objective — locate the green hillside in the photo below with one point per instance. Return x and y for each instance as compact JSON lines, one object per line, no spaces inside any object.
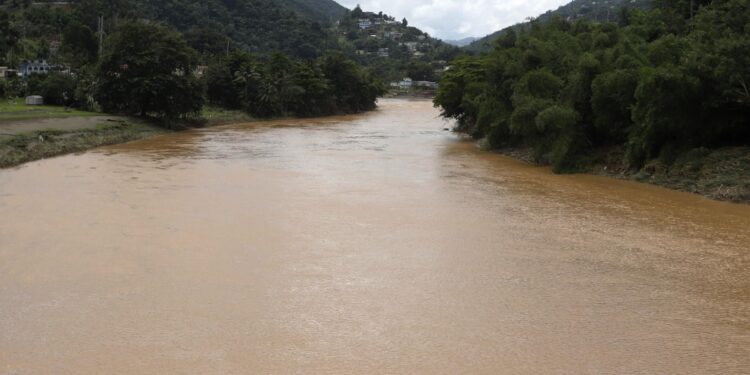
{"x":592,"y":10}
{"x":317,"y":10}
{"x":392,"y":48}
{"x":209,"y":26}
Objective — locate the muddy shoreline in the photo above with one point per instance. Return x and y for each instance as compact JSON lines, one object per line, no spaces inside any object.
{"x":722,"y":174}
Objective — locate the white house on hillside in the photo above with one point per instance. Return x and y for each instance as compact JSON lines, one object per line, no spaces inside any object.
{"x":40,"y":67}
{"x":365,"y":24}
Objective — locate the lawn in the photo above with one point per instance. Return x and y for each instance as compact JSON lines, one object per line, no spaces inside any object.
{"x":16,"y":109}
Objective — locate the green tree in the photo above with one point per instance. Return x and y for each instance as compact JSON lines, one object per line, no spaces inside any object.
{"x":355,"y":89}
{"x":613,"y":97}
{"x":8,"y":35}
{"x":667,"y":111}
{"x":58,"y":89}
{"x":80,"y":45}
{"x":421,"y":71}
{"x":147,"y":70}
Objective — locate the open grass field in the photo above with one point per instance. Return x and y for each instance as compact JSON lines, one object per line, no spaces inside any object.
{"x":16,"y":109}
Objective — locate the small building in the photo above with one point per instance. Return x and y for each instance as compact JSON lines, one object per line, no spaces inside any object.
{"x":364,"y":24}
{"x":384,"y":52}
{"x":406,"y":83}
{"x":34,"y":100}
{"x":3,"y":71}
{"x":40,"y":67}
{"x":392,"y":35}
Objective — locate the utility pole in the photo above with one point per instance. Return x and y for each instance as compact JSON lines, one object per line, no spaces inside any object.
{"x":101,"y":34}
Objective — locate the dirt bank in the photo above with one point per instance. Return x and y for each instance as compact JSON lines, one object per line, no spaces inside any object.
{"x":721,"y":174}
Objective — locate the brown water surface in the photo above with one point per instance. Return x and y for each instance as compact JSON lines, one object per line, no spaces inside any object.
{"x":362,"y":244}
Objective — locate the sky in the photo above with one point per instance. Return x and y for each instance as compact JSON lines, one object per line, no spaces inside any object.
{"x":457,"y":19}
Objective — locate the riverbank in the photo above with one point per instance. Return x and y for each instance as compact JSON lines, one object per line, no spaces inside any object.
{"x":722,"y":174}
{"x":34,"y":145}
{"x":26,"y":141}
{"x":55,"y":136}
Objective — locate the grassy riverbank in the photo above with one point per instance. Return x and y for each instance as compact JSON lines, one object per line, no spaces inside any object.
{"x":722,"y":174}
{"x":25,"y":147}
{"x":16,"y":109}
{"x":16,"y":149}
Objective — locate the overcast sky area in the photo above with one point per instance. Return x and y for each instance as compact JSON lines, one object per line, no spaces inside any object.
{"x":457,"y":19}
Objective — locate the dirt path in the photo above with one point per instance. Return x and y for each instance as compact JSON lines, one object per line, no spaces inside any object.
{"x":68,"y":123}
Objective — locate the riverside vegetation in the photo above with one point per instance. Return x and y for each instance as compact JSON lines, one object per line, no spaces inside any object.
{"x":151,"y":71}
{"x":662,"y":96}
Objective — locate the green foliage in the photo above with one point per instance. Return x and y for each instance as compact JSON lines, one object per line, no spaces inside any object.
{"x":665,"y":112}
{"x":588,"y":10}
{"x":613,"y":96}
{"x":354,"y":88}
{"x":58,"y":89}
{"x":8,"y":36}
{"x":420,"y":71}
{"x":659,"y":83}
{"x":316,"y":10}
{"x":146,"y":70}
{"x":281,"y":86}
{"x":392,"y":50}
{"x":80,"y":45}
{"x":263,"y":56}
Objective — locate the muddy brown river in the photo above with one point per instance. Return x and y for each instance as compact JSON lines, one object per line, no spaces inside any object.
{"x":370,"y":244}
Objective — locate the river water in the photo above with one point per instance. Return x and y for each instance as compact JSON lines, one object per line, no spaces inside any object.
{"x":376,"y":243}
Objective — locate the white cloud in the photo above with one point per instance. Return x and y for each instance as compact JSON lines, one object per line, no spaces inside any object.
{"x":454,"y":19}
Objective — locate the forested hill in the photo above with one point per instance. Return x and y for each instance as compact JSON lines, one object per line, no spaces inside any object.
{"x":253,"y":25}
{"x":296,"y":27}
{"x":392,"y":48}
{"x":317,"y":10}
{"x":592,"y":10}
{"x":302,"y":29}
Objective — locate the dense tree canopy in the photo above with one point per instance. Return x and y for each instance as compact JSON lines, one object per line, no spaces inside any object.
{"x":662,"y":81}
{"x":147,"y":69}
{"x":278,"y":85}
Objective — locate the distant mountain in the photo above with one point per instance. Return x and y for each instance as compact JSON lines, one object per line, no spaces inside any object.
{"x":316,"y":10}
{"x":594,"y":10}
{"x":461,"y":42}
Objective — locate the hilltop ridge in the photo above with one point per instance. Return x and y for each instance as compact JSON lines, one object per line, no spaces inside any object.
{"x":592,"y":10}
